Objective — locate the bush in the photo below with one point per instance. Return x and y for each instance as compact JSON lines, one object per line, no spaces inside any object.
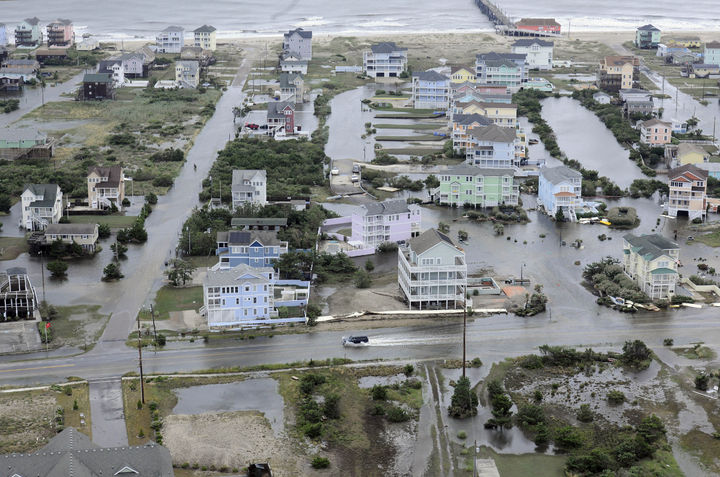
{"x":112,"y":272}
{"x":397,"y":414}
{"x":567,"y":437}
{"x":585,"y":414}
{"x":103,"y":231}
{"x":464,"y":401}
{"x":379,"y":392}
{"x":616,"y":397}
{"x":57,"y":268}
{"x":531,"y":415}
{"x":408,"y":370}
{"x":331,"y":407}
{"x":362,"y":279}
{"x":702,"y":382}
{"x":369,"y":265}
{"x":320,"y":463}
{"x":151,"y":198}
{"x":636,"y":354}
{"x":162,"y":181}
{"x":668,"y":342}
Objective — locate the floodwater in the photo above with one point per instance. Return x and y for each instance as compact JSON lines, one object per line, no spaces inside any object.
{"x":259,"y":394}
{"x":347,"y":125}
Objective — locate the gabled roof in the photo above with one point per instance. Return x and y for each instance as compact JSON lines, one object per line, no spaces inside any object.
{"x":687,"y":169}
{"x":712,"y":44}
{"x":98,"y":78}
{"x":386,"y":47}
{"x":654,"y":121}
{"x":237,"y":275}
{"x":650,"y":246}
{"x":493,"y":133}
{"x":427,"y":240}
{"x":468,"y":170}
{"x":275,"y":109}
{"x":485,"y":104}
{"x":466,"y":119}
{"x":688,"y":148}
{"x":388,"y":207}
{"x":258,"y":221}
{"x":205,"y":29}
{"x":492,"y":55}
{"x":174,"y":28}
{"x":429,"y":75}
{"x":648,"y":27}
{"x":455,"y":69}
{"x":191,"y":65}
{"x":556,"y":175}
{"x":299,"y":31}
{"x":71,"y":229}
{"x":537,"y":22}
{"x":48,"y":192}
{"x":287,"y":79}
{"x":244,"y":238}
{"x":532,"y":41}
{"x":113,"y":173}
{"x":241,"y":175}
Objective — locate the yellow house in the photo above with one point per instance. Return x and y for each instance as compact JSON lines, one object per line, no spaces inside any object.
{"x":205,"y":37}
{"x":462,"y":74}
{"x":685,"y":42}
{"x":690,"y":154}
{"x":502,"y":114}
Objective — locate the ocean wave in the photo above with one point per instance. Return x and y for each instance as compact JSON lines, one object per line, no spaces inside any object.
{"x":631,"y":23}
{"x":385,"y":23}
{"x":311,"y":22}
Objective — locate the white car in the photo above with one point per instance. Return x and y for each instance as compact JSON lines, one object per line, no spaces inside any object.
{"x":335,"y":171}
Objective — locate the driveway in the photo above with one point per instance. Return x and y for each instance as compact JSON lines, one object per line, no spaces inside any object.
{"x":108,"y":416}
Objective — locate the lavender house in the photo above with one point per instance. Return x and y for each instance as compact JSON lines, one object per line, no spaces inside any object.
{"x":389,"y":221}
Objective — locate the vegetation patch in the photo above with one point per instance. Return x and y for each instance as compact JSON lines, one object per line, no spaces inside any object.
{"x":697,"y":351}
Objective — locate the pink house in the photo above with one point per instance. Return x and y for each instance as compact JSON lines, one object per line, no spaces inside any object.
{"x":60,"y":33}
{"x":654,"y":132}
{"x":389,"y":221}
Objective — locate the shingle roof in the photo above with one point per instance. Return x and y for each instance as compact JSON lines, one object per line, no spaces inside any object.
{"x":113,"y":174}
{"x":429,"y":75}
{"x":648,"y":27}
{"x":712,"y":44}
{"x":492,"y":55}
{"x":232,"y":276}
{"x":275,"y":108}
{"x":97,"y":78}
{"x":47,"y":191}
{"x":299,"y":31}
{"x":235,"y":237}
{"x":493,"y":133}
{"x":559,"y":174}
{"x":538,"y":21}
{"x":71,"y":453}
{"x":205,"y":29}
{"x":650,"y":246}
{"x":71,"y":229}
{"x":427,"y":240}
{"x":455,"y":69}
{"x":465,"y":119}
{"x":468,"y":170}
{"x":241,"y":175}
{"x":174,"y":28}
{"x":532,"y":41}
{"x":286,"y":79}
{"x":258,"y":221}
{"x":386,"y":47}
{"x":388,"y":207}
{"x":692,"y":169}
{"x":654,"y":121}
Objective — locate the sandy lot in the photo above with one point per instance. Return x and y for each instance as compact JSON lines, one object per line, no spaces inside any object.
{"x":232,"y":439}
{"x":25,"y":420}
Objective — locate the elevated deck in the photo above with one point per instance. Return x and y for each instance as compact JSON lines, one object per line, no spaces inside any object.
{"x":494,"y":14}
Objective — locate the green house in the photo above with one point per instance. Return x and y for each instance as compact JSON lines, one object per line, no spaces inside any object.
{"x":478,"y":187}
{"x":647,"y":36}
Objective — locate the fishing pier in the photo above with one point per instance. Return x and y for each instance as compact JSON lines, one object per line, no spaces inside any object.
{"x":503,"y":24}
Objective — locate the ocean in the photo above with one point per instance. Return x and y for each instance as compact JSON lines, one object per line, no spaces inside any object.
{"x":142,"y":19}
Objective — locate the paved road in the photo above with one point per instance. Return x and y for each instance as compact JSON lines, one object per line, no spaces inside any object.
{"x":108,"y":417}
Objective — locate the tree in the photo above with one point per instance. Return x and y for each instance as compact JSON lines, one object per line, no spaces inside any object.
{"x":431,"y":181}
{"x":180,"y":273}
{"x":119,"y":250}
{"x":57,"y":268}
{"x":362,"y":279}
{"x":464,"y":401}
{"x":443,"y":227}
{"x":369,"y":265}
{"x":559,"y":215}
{"x":103,"y":231}
{"x":702,"y":382}
{"x":312,"y":312}
{"x":112,"y":272}
{"x":151,"y":198}
{"x":637,"y":354}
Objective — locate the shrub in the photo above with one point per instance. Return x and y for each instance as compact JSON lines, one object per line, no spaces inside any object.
{"x":151,"y":198}
{"x":377,"y":410}
{"x":475,"y":362}
{"x":320,"y":463}
{"x":585,"y":414}
{"x":112,"y":272}
{"x":702,"y":382}
{"x":397,"y":414}
{"x":409,"y":370}
{"x":538,"y":395}
{"x":57,"y":268}
{"x":362,"y":279}
{"x":462,"y":435}
{"x":331,"y":407}
{"x":567,"y":437}
{"x":464,"y":401}
{"x":139,"y":404}
{"x":531,"y":415}
{"x":103,"y":231}
{"x":379,"y":393}
{"x":668,"y":342}
{"x":369,"y":265}
{"x":616,"y":397}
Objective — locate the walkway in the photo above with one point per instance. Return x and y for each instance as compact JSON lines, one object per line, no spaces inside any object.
{"x":106,"y":410}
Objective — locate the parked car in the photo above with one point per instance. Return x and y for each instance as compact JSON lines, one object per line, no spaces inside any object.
{"x":356,"y":169}
{"x":355,"y":178}
{"x":252,"y":126}
{"x":335,"y":171}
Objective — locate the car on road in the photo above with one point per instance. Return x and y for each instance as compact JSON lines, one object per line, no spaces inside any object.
{"x":354,"y":340}
{"x":335,"y":171}
{"x":356,"y":169}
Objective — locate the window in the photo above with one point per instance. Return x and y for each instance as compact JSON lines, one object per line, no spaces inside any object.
{"x":247,"y":288}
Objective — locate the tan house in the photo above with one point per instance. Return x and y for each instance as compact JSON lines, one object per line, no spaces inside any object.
{"x":618,"y":72}
{"x":691,"y":154}
{"x":205,"y":37}
{"x":85,"y":235}
{"x":502,"y":114}
{"x":651,"y":261}
{"x":654,"y":132}
{"x":688,"y":185}
{"x":462,"y":74}
{"x":106,"y":186}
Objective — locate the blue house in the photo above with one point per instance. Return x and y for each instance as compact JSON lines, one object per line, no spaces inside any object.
{"x":245,"y":296}
{"x":256,"y":248}
{"x":560,"y":188}
{"x":3,"y":35}
{"x":501,"y":69}
{"x":491,"y":147}
{"x":430,"y":90}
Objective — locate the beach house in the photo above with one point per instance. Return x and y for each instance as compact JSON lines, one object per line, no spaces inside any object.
{"x":687,"y":196}
{"x":711,"y":55}
{"x":249,"y":186}
{"x":60,"y":33}
{"x":461,"y":124}
{"x":106,"y":187}
{"x":42,"y":205}
{"x":688,"y":153}
{"x":205,"y":37}
{"x":85,"y":235}
{"x":385,"y":60}
{"x":187,"y":73}
{"x":647,"y":36}
{"x":560,"y":188}
{"x":28,"y":33}
{"x":491,"y":147}
{"x":256,"y":248}
{"x":477,"y":186}
{"x":16,"y":143}
{"x":432,"y":272}
{"x":501,"y":114}
{"x":281,"y":115}
{"x":654,"y":132}
{"x":17,"y":298}
{"x":292,"y":88}
{"x":501,"y":69}
{"x":430,"y":90}
{"x":97,"y":86}
{"x":651,"y":261}
{"x":291,"y":63}
{"x":462,"y":74}
{"x":170,"y":40}
{"x":392,"y":220}
{"x":299,"y":43}
{"x":538,"y":53}
{"x":618,"y":72}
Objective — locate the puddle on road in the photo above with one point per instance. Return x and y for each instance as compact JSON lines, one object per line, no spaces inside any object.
{"x":250,"y":395}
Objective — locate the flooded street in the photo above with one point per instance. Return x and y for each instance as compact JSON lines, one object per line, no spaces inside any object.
{"x":347,"y":125}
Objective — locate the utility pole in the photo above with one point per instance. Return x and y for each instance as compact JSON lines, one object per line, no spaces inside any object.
{"x":464,"y":323}
{"x":42,"y":273}
{"x":152,"y":314}
{"x":142,"y":382}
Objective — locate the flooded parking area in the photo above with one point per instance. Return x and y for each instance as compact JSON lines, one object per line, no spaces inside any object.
{"x":260,"y":394}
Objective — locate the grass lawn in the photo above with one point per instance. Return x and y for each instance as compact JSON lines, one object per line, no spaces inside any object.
{"x":513,"y":465}
{"x":695,"y":352}
{"x":417,"y":126}
{"x":114,"y":221}
{"x":712,"y":239}
{"x":423,"y":137}
{"x":413,"y":151}
{"x":81,"y":395}
{"x":174,"y":299}
{"x":78,"y":325}
{"x":12,"y":247}
{"x":413,"y":115}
